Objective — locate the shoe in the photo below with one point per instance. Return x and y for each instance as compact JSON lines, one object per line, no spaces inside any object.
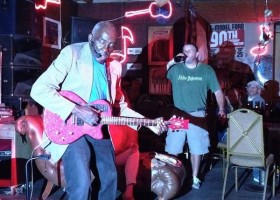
{"x":258,"y":176}
{"x":196,"y":183}
{"x":256,"y":180}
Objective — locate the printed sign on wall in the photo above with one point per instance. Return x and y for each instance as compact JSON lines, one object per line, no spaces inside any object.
{"x":230,"y":34}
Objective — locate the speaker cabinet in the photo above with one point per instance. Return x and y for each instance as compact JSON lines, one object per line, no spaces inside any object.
{"x":20,"y":50}
{"x":17,"y":80}
{"x":18,"y":17}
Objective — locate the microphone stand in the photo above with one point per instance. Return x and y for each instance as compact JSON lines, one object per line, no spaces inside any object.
{"x":44,"y":157}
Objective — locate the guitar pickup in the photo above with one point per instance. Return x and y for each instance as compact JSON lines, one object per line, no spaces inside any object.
{"x":100,"y":107}
{"x":79,"y":122}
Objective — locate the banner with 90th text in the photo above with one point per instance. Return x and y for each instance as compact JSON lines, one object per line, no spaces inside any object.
{"x":228,"y":34}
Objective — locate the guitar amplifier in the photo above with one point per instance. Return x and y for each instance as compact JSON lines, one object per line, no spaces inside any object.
{"x":14,"y":152}
{"x":5,"y":163}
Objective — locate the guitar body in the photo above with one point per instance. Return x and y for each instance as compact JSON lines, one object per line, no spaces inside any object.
{"x":65,"y":132}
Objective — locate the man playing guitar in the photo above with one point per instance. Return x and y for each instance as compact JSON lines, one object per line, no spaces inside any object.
{"x":86,"y":70}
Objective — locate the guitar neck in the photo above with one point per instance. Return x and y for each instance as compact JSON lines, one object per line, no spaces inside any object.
{"x":128,"y":121}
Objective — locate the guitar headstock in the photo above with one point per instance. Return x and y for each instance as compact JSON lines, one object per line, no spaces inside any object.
{"x":178,"y":123}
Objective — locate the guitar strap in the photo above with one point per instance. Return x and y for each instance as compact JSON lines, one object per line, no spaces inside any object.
{"x":109,"y":80}
{"x":115,"y":111}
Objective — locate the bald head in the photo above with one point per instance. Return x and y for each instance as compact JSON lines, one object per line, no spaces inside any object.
{"x":102,"y":40}
{"x":104,"y":26}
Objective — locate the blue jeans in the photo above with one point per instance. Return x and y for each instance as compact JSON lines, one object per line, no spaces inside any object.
{"x":77,"y":160}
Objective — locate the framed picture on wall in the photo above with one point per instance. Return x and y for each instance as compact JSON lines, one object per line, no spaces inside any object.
{"x":51,"y":33}
{"x":160,"y":44}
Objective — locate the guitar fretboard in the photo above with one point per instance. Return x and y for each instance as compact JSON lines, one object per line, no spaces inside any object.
{"x":128,"y":121}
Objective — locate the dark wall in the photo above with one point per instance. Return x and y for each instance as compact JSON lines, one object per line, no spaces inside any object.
{"x":139,"y":26}
{"x":62,"y":14}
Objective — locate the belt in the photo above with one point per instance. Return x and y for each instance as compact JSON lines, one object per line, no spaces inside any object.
{"x":197,"y":110}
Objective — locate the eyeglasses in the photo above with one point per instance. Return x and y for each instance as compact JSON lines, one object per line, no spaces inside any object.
{"x":109,"y":45}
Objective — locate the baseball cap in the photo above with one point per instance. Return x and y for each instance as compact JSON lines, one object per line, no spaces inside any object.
{"x":253,"y":83}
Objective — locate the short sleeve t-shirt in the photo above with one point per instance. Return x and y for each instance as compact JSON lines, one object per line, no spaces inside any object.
{"x":190,"y":86}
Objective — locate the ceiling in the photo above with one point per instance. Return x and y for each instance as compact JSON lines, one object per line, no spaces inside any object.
{"x":120,"y":1}
{"x":230,"y":11}
{"x":106,"y":1}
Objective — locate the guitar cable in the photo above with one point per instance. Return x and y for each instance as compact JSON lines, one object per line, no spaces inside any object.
{"x":43,"y":157}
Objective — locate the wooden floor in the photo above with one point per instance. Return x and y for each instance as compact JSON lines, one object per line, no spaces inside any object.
{"x":211,"y":189}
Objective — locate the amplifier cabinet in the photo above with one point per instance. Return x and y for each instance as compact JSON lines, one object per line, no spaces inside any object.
{"x":13,"y":156}
{"x":17,"y":80}
{"x":18,"y":16}
{"x":8,"y":145}
{"x":5,"y":161}
{"x":20,"y":50}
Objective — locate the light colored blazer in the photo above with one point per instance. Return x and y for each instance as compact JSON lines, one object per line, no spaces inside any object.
{"x":72,"y":71}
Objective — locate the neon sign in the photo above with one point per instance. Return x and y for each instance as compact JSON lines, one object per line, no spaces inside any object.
{"x":40,"y":6}
{"x":258,"y":51}
{"x":151,"y":10}
{"x":126,"y":35}
{"x":126,"y":32}
{"x":265,"y":36}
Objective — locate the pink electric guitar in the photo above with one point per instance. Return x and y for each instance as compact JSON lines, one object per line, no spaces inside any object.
{"x":65,"y":132}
